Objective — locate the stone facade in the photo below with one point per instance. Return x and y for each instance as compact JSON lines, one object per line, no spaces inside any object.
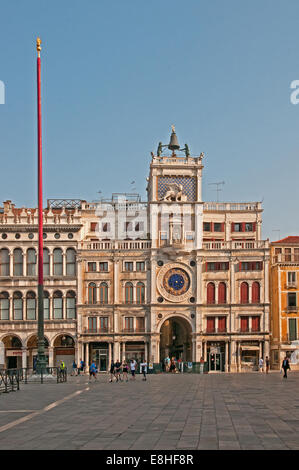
{"x":170,"y":276}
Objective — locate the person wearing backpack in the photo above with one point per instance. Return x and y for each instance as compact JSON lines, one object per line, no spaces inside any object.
{"x":92,"y":371}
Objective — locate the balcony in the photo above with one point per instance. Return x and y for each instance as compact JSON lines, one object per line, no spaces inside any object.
{"x":291,"y":285}
{"x":235,"y":245}
{"x":292,"y":308}
{"x":249,"y":330}
{"x":232,"y":206}
{"x":131,"y":330}
{"x":215,"y":331}
{"x":116,"y":245}
{"x":95,"y":331}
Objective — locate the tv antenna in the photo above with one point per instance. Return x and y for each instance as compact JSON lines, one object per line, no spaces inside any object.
{"x":217,"y":188}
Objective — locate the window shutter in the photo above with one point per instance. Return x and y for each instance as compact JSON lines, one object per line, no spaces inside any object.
{"x":222,"y":227}
{"x":233,"y":227}
{"x":243,"y":226}
{"x":254,"y":227}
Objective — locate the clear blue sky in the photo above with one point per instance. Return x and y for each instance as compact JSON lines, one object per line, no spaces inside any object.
{"x":117,"y":74}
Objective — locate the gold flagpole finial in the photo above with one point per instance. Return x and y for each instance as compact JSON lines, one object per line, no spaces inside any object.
{"x":38,"y":46}
{"x":173,"y":128}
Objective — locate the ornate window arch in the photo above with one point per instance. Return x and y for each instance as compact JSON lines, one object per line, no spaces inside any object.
{"x":57,"y":305}
{"x":4,"y":262}
{"x":4,"y":306}
{"x":211,"y":293}
{"x":17,"y":306}
{"x":244,"y":297}
{"x":140,"y":293}
{"x":104,"y":293}
{"x":92,"y":293}
{"x":30,"y":306}
{"x":128,"y":293}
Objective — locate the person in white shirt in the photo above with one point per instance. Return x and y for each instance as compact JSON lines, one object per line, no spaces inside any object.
{"x":143,"y":366}
{"x":261,"y":364}
{"x":133,"y":368}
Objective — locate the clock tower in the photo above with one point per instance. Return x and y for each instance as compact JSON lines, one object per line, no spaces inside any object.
{"x":175,"y":211}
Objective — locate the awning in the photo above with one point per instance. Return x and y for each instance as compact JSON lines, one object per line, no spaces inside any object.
{"x":250,"y":348}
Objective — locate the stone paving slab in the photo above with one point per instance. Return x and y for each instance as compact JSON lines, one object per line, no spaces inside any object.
{"x":181,"y":411}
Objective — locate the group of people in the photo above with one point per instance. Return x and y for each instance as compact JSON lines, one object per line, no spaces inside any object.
{"x":173,"y":365}
{"x":285,"y":366}
{"x":118,"y":370}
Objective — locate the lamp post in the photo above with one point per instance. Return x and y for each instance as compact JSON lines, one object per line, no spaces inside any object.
{"x":41,"y":358}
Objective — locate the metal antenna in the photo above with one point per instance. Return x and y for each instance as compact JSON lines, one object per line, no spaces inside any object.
{"x":218,"y":189}
{"x":277,"y":230}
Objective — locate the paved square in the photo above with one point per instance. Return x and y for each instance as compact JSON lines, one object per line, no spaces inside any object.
{"x":188,"y":411}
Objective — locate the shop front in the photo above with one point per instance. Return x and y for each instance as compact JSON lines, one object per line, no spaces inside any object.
{"x":216,"y":356}
{"x":99,"y":354}
{"x":135,"y":350}
{"x":249,"y":357}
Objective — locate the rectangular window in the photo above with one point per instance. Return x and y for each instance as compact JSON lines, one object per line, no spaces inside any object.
{"x":106,"y":227}
{"x":288,"y":254}
{"x":207,"y":226}
{"x":224,"y":266}
{"x":210,"y":324}
{"x":278,"y":251}
{"x":70,"y":307}
{"x":57,"y":304}
{"x":251,"y":266}
{"x":217,"y":227}
{"x":221,"y":324}
{"x":92,"y":267}
{"x":139,"y":227}
{"x":255,"y":323}
{"x":128,"y":226}
{"x":4,"y":308}
{"x":128,"y":265}
{"x":31,"y":306}
{"x":92,"y":324}
{"x":292,"y":301}
{"x":244,"y":324}
{"x":248,"y":227}
{"x":238,"y":227}
{"x":104,"y":267}
{"x":292,"y":329}
{"x":104,"y":323}
{"x":140,"y":266}
{"x":46,"y":308}
{"x":140,"y":324}
{"x":93,"y":226}
{"x":291,"y":278}
{"x":129,"y":323}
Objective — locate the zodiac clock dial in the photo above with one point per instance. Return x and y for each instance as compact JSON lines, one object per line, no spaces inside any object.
{"x":176,"y":281}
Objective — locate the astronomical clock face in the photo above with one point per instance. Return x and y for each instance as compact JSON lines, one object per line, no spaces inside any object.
{"x":174,"y":283}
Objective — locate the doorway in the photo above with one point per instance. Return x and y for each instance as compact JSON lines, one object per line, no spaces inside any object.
{"x":175,"y":340}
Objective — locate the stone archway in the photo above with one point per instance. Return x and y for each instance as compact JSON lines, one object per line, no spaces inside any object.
{"x":176,"y":339}
{"x":12,"y":351}
{"x":64,"y":350}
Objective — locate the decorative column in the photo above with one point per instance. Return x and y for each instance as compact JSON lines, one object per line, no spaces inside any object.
{"x":11,"y":263}
{"x":51,"y":356}
{"x":145,"y":351}
{"x":116,"y":351}
{"x":261,"y":349}
{"x":51,"y":263}
{"x":109,"y":354}
{"x":24,"y":358}
{"x":124,"y":351}
{"x":64,"y":264}
{"x":87,"y":355}
{"x":11,"y":307}
{"x":226,"y":356}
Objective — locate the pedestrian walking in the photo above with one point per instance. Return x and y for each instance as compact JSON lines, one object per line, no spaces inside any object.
{"x":82,"y":366}
{"x":74,"y":368}
{"x":167,"y":363}
{"x":117,"y":370}
{"x":92,"y":371}
{"x":112,"y":371}
{"x":133,"y":368}
{"x":144,"y":369}
{"x":285,"y":366}
{"x":125,"y":370}
{"x":267,"y":365}
{"x":261,"y":364}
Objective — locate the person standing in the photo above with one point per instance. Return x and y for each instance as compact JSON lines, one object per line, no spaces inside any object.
{"x":133,"y":368}
{"x":82,"y":365}
{"x":172,"y":365}
{"x":74,"y":368}
{"x":261,"y":364}
{"x":92,"y":371}
{"x":117,"y":370}
{"x":112,"y":371}
{"x":144,"y":369}
{"x":267,"y":365}
{"x":125,"y":370}
{"x":285,"y":366}
{"x":167,"y":363}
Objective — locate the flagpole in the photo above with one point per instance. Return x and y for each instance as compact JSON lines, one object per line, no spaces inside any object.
{"x":41,"y":358}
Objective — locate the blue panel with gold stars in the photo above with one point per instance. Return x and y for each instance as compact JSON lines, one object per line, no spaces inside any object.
{"x":188,"y":183}
{"x":176,"y":281}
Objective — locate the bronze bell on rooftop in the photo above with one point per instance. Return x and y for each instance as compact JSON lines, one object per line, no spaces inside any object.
{"x":173,"y":144}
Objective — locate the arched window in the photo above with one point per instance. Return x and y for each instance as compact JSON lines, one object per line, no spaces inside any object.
{"x":92,"y":293}
{"x":222,"y":293}
{"x":104,"y":293}
{"x":256,"y":293}
{"x":244,"y":293}
{"x":70,"y":262}
{"x":17,"y":306}
{"x":57,"y":260}
{"x":18,"y":262}
{"x":31,"y":262}
{"x":70,"y":304}
{"x":46,"y":262}
{"x":211,"y":293}
{"x":128,"y":293}
{"x":4,"y":262}
{"x":46,"y":305}
{"x":140,"y":293}
{"x":57,"y":304}
{"x":4,"y":306}
{"x":30,"y":306}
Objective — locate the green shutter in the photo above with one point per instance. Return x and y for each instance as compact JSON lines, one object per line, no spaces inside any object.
{"x":292,"y":329}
